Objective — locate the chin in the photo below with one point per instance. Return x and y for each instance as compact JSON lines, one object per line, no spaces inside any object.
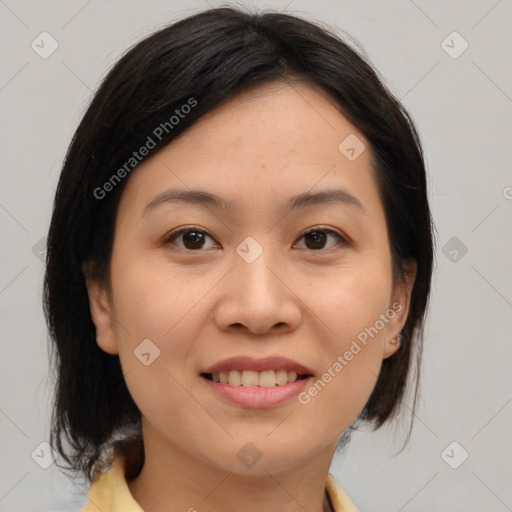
{"x":260,"y":455}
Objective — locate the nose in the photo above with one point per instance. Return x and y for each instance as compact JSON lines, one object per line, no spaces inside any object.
{"x":259,"y":297}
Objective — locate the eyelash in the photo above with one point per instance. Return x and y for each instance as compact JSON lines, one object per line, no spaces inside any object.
{"x":341,"y":240}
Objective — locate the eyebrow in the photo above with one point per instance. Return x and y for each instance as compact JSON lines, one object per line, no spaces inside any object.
{"x":203,"y":198}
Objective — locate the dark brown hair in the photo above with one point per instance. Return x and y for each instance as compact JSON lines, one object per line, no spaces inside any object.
{"x":210,"y":57}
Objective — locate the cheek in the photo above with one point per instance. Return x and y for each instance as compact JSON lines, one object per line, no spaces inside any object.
{"x":153,"y":303}
{"x":152,"y":330}
{"x":350,"y":304}
{"x":156,"y":325}
{"x":352,"y":299}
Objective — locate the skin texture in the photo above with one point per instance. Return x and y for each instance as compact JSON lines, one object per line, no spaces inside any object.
{"x":298,"y":299}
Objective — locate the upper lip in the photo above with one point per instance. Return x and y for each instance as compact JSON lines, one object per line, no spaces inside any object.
{"x":258,"y":365}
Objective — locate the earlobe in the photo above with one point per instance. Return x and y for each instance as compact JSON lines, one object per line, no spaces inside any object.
{"x":100,"y":307}
{"x":393,"y":346}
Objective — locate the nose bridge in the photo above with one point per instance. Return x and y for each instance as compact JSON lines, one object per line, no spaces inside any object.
{"x":256,"y":293}
{"x":252,"y":264}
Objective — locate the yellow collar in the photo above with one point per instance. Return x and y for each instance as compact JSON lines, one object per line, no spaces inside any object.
{"x":110,"y":493}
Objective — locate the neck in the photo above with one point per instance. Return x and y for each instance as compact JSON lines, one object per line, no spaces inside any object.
{"x":172,"y":480}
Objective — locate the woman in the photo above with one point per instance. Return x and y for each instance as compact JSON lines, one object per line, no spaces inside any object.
{"x":239,"y":265}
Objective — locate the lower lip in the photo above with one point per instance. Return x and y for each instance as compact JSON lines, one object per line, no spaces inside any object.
{"x":256,"y":397}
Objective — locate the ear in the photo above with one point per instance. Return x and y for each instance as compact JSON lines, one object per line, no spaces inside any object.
{"x":101,"y":313}
{"x":400,"y":304}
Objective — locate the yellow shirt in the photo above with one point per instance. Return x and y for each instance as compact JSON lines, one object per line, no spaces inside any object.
{"x":110,"y":493}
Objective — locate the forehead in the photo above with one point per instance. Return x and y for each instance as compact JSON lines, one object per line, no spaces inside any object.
{"x":273,"y":141}
{"x":276,"y":117}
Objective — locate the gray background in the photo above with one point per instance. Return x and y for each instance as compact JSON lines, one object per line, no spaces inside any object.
{"x":462,"y":107}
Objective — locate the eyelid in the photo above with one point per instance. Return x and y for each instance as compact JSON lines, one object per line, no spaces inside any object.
{"x":321,"y":227}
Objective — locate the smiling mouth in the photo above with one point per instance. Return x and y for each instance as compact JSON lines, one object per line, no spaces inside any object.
{"x":249,"y":378}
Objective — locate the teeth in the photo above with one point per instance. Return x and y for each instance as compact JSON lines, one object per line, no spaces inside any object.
{"x":281,"y":377}
{"x":267,"y":379}
{"x":234,"y":378}
{"x":249,"y":378}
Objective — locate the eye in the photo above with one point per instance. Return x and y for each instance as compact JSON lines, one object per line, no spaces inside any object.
{"x":317,"y":236}
{"x":193,"y":238}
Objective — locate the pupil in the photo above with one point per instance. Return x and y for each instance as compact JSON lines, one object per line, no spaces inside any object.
{"x":318,"y":237}
{"x":195,"y":237}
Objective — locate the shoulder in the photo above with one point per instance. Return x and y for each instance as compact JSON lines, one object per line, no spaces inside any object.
{"x":110,"y":491}
{"x":339,"y":499}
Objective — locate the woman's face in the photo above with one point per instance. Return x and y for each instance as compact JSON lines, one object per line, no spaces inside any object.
{"x":246,"y":281}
